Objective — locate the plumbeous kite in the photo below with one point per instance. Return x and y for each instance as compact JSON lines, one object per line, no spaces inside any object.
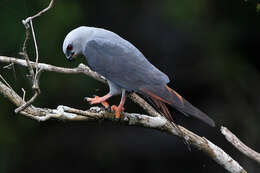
{"x":126,"y":69}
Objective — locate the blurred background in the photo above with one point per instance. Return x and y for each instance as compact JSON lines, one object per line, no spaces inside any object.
{"x":209,"y":50}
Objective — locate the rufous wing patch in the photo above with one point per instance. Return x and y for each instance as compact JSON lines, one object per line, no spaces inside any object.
{"x":152,"y":95}
{"x":159,"y":103}
{"x":162,"y":108}
{"x":174,"y":92}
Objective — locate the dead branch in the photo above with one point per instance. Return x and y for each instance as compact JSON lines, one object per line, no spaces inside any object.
{"x":240,"y":145}
{"x":39,"y":13}
{"x":81,"y":69}
{"x":28,"y":23}
{"x":157,"y":121}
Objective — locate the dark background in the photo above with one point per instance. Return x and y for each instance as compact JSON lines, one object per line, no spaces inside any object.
{"x":209,"y":50}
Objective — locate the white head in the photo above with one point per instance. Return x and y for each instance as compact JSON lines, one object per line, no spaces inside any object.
{"x":74,"y":42}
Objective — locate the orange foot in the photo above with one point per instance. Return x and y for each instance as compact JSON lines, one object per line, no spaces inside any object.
{"x":118,"y":110}
{"x":97,"y":100}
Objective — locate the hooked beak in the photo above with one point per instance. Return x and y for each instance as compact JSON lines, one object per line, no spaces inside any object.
{"x":71,"y":57}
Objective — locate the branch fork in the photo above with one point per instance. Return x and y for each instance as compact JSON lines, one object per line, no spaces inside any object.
{"x":154,"y":120}
{"x":34,"y":75}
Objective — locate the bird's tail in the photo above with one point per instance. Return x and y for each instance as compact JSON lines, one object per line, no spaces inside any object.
{"x":164,"y":94}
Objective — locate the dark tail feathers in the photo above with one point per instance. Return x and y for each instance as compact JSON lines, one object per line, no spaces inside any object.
{"x":185,"y":107}
{"x":163,"y":94}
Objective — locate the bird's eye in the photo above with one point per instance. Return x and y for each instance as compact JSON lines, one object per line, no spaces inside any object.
{"x":69,"y":47}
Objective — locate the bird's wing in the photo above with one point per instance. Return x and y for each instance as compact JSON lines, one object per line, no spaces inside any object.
{"x":122,"y":63}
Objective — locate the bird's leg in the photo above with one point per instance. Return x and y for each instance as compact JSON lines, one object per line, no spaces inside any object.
{"x":120,"y":107}
{"x":98,"y":99}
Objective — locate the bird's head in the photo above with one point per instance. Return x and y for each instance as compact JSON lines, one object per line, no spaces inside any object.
{"x":74,"y":42}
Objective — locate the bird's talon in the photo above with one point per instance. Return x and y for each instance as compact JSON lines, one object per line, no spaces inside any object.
{"x":97,"y":100}
{"x":105,"y":104}
{"x":117,"y":110}
{"x":113,"y":108}
{"x":86,"y":99}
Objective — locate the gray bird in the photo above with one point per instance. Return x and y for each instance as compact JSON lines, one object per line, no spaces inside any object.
{"x":126,"y":69}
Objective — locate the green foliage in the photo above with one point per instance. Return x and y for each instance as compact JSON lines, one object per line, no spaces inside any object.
{"x":258,"y":7}
{"x":186,"y":11}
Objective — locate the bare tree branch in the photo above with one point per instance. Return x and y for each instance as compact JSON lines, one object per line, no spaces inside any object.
{"x":240,"y":145}
{"x":81,"y":69}
{"x":39,"y":14}
{"x":6,"y":83}
{"x":34,"y":75}
{"x":24,"y":53}
{"x":28,"y":103}
{"x":157,"y":121}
